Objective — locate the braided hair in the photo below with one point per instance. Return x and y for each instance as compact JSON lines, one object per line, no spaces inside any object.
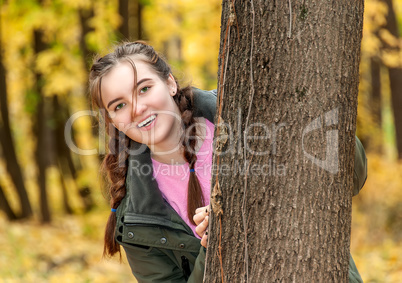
{"x":116,"y":161}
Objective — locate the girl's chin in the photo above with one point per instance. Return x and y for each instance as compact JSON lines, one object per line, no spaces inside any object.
{"x":148,"y":140}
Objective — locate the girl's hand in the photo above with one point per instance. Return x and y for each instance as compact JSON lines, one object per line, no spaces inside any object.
{"x":201,"y":218}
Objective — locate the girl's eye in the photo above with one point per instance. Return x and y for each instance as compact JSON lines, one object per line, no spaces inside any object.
{"x":119,"y":106}
{"x":144,"y":89}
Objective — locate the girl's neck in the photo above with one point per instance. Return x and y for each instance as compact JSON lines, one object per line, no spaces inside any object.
{"x":171,"y":157}
{"x":172,"y":151}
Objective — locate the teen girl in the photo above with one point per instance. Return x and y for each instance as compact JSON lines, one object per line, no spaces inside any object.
{"x":159,"y":163}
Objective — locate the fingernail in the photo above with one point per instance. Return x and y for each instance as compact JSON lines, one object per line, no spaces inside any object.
{"x":206,"y":233}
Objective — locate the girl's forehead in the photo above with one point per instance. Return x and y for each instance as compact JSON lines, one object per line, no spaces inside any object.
{"x":125,"y":72}
{"x":120,"y":79}
{"x":141,"y":67}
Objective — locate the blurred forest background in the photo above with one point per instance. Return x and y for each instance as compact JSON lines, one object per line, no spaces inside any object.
{"x":52,"y":210}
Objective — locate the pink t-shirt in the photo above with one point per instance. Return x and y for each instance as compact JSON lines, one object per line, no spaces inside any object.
{"x":173,"y":179}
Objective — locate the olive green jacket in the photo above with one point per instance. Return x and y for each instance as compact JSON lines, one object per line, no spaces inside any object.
{"x":159,"y":245}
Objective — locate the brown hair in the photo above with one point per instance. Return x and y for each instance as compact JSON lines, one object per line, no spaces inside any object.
{"x":115,"y":163}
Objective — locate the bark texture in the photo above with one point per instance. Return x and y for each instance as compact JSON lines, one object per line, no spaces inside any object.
{"x":288,"y":84}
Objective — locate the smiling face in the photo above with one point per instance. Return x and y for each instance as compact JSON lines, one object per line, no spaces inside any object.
{"x":147,"y":114}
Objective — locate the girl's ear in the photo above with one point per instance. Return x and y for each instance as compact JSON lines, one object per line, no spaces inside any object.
{"x":171,"y":82}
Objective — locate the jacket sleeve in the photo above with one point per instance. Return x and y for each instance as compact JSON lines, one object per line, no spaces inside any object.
{"x":360,"y":168}
{"x":154,"y":265}
{"x":197,"y":275}
{"x":354,"y":276}
{"x":205,"y":103}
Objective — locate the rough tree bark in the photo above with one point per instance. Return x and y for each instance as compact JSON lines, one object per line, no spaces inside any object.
{"x":288,"y":84}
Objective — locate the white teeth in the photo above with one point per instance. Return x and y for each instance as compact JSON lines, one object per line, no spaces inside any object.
{"x":147,"y":121}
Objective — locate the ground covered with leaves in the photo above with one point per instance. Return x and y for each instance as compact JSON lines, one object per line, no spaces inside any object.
{"x":68,"y":250}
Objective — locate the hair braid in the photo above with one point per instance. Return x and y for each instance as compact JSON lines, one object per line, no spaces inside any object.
{"x":115,"y":163}
{"x":195,"y":198}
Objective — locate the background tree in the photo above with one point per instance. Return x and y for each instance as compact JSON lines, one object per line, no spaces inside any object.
{"x":124,"y":16}
{"x":135,"y":20}
{"x":86,"y":13}
{"x":392,"y":46}
{"x":44,"y":151}
{"x":288,"y":85}
{"x":5,"y":206}
{"x":8,"y":149}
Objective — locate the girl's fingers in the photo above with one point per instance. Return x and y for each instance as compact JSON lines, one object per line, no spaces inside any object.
{"x":200,"y":214}
{"x":198,"y":218}
{"x":200,"y":229}
{"x":202,"y":209}
{"x":204,"y":240}
{"x":201,"y":219}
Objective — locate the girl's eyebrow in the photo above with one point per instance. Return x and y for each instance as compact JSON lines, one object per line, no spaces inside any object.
{"x":113,"y":101}
{"x":116,"y":99}
{"x":143,"y":80}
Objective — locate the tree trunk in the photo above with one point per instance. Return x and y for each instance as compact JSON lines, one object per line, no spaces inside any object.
{"x":66,"y":203}
{"x":374,"y":142}
{"x":6,"y":142}
{"x":376,"y":101}
{"x":5,"y":206}
{"x":85,"y":16}
{"x":64,"y":161}
{"x":282,"y":191}
{"x":42,"y":149}
{"x":395,"y":76}
{"x":124,"y":15}
{"x":135,"y":20}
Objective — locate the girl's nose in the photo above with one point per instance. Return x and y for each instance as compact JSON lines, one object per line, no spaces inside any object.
{"x":138,"y":110}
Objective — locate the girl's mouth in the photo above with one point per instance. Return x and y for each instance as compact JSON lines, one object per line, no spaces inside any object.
{"x":147,"y":121}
